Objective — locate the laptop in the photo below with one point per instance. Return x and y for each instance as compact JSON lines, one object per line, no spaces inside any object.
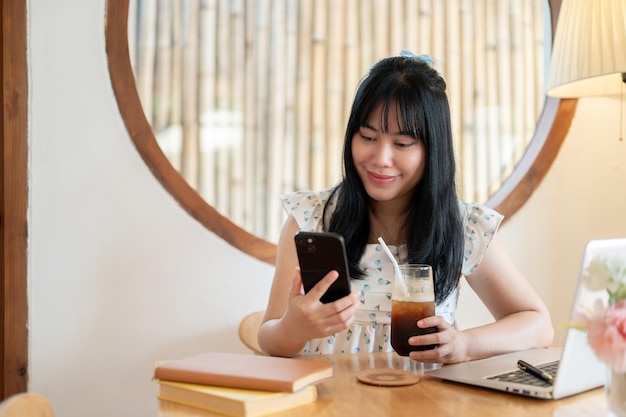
{"x":574,"y":367}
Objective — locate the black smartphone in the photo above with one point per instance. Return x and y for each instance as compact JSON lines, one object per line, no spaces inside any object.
{"x":318,"y":254}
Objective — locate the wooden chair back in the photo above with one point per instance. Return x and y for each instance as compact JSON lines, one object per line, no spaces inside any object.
{"x":248,"y":329}
{"x":26,"y":404}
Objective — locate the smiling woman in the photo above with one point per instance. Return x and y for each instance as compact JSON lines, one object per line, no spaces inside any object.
{"x":304,"y":154}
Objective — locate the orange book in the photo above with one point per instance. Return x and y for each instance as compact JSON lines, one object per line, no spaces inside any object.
{"x":237,"y":370}
{"x":234,"y":401}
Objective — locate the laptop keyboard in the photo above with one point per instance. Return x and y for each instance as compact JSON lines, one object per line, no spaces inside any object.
{"x":522,"y":377}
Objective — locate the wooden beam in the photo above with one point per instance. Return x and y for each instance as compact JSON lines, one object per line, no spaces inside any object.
{"x":13,"y":207}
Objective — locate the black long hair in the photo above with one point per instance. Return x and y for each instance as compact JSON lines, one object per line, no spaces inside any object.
{"x":433,"y":226}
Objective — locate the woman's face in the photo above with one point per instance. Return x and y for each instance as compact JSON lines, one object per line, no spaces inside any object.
{"x":389,"y":164}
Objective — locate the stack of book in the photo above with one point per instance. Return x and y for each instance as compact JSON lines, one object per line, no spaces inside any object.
{"x":240,"y":385}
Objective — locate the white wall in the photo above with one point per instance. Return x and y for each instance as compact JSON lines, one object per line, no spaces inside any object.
{"x":120,"y":276}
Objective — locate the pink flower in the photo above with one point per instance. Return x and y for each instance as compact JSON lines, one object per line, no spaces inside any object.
{"x":607,"y":335}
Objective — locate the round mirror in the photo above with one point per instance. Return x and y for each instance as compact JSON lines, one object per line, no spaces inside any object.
{"x":321,"y":106}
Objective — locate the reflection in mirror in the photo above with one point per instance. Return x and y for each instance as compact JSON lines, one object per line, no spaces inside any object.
{"x":549,"y":134}
{"x":250,"y":99}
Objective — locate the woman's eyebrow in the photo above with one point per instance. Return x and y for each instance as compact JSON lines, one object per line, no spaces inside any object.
{"x":398,"y":133}
{"x":405,"y":133}
{"x":368,"y":126}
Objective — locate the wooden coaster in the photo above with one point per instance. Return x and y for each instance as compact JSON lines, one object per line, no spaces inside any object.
{"x":387,"y":377}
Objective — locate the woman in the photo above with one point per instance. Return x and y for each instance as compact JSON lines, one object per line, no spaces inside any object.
{"x":399,"y":184}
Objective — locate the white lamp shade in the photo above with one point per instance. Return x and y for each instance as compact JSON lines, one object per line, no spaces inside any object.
{"x":589,"y":50}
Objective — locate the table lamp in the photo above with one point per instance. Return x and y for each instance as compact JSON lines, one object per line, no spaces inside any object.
{"x":589,"y":49}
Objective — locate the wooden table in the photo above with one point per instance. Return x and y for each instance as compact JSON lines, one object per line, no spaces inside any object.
{"x":344,"y":396}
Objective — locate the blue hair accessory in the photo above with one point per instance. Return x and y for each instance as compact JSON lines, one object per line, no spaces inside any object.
{"x":425,"y":58}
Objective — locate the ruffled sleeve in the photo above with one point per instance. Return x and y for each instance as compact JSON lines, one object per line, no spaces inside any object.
{"x":307,"y":207}
{"x":480,"y":224}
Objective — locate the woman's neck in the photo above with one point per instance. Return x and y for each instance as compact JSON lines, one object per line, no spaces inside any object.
{"x":387,"y":221}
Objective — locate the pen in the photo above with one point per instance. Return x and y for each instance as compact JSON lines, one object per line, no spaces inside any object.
{"x":526,"y":367}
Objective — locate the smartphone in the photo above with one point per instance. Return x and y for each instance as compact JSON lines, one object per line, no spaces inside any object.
{"x":318,"y":254}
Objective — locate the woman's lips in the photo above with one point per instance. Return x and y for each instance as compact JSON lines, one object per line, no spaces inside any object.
{"x":380,"y":179}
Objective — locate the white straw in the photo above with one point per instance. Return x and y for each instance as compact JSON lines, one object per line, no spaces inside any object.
{"x":398,"y":274}
{"x":388,"y":252}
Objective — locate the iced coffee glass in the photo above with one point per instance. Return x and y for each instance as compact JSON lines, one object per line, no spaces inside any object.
{"x":412,"y":299}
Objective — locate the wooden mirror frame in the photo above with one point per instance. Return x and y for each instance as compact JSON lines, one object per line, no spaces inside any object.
{"x":14,"y":202}
{"x":550,"y":133}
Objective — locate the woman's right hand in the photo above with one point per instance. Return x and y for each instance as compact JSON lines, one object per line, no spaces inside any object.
{"x":292,"y":317}
{"x":306,"y":317}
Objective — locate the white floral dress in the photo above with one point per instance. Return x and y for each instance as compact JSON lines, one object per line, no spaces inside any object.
{"x":371,"y":330}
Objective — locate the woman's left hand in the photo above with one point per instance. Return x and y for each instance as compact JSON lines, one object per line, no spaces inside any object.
{"x":451,"y":344}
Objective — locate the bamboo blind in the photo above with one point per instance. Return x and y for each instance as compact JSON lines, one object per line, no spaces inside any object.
{"x":249,"y":98}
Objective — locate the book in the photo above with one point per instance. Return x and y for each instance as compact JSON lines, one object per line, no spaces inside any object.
{"x":234,"y":401}
{"x":238,"y":370}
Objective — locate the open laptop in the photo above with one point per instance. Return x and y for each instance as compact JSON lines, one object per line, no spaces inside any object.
{"x":575,"y":367}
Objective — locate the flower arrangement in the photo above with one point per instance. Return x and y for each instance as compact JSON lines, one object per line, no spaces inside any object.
{"x":606,"y":325}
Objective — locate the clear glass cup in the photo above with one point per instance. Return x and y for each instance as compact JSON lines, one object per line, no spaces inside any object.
{"x":412,"y":299}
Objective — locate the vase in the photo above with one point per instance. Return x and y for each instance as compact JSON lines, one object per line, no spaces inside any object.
{"x":616,"y":393}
